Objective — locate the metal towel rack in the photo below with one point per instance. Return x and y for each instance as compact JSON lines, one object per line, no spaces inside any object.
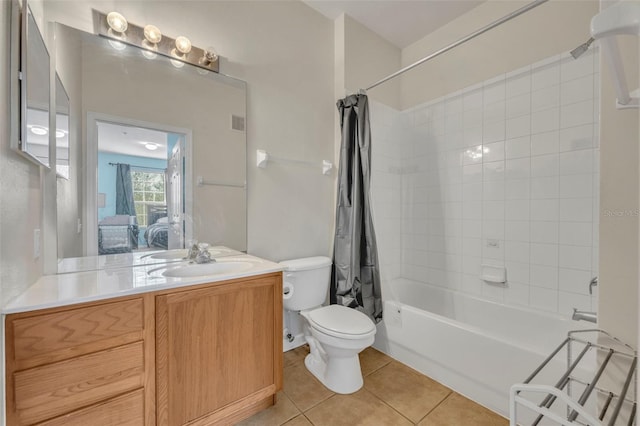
{"x":600,"y":358}
{"x":201,"y":182}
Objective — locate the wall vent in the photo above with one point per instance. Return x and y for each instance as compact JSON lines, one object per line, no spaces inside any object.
{"x":237,"y":123}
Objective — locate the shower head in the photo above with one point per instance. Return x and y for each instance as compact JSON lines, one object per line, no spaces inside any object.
{"x":578,"y":51}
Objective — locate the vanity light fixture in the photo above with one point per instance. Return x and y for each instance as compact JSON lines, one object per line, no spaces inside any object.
{"x":179,"y":50}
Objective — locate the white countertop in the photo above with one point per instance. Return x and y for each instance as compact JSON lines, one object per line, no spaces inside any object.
{"x":123,"y":260}
{"x":52,"y":291}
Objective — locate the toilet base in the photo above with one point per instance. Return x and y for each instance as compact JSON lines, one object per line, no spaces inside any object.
{"x":340,"y":375}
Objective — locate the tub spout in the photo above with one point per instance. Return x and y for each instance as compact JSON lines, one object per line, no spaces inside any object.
{"x":584,"y":315}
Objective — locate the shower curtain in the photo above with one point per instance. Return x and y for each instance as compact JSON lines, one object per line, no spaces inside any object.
{"x":124,"y":191}
{"x":355,"y":280}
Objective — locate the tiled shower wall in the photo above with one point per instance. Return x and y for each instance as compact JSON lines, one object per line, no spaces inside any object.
{"x":504,"y":173}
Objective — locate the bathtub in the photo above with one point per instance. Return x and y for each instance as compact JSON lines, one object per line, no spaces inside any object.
{"x":476,"y":347}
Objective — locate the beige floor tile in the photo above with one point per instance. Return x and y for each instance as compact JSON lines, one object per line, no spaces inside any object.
{"x":372,"y":359}
{"x":301,"y":420}
{"x":295,"y":356}
{"x":276,"y":415}
{"x":360,"y":408}
{"x":303,"y":388}
{"x":457,"y":410}
{"x":407,"y":391}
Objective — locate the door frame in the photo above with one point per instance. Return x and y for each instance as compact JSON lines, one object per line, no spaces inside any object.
{"x":90,"y":210}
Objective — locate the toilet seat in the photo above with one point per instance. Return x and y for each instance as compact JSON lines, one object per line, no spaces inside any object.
{"x":342,"y":322}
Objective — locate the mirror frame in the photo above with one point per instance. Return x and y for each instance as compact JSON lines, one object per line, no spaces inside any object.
{"x":23,"y":32}
{"x":62,"y":91}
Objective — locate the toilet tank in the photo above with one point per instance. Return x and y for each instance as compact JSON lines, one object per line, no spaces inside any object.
{"x":306,"y":282}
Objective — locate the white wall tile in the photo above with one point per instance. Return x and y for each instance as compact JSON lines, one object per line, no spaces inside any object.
{"x":472,"y":173}
{"x":576,"y":162}
{"x":471,"y":284}
{"x":576,"y":186}
{"x":472,"y":136}
{"x":544,"y":276}
{"x":571,"y":68}
{"x":492,"y":291}
{"x":472,"y":99}
{"x":493,"y":210}
{"x":575,"y":257}
{"x":545,"y":165}
{"x":493,"y":170}
{"x":472,"y":118}
{"x":576,"y":210}
{"x":493,"y":229}
{"x":575,"y":233}
{"x":544,"y":299}
{"x":577,"y":90}
{"x":472,"y":247}
{"x":544,"y":232}
{"x":568,"y":301}
{"x":545,"y":210}
{"x":494,"y":92}
{"x":545,"y":120}
{"x":517,"y":210}
{"x":494,"y":131}
{"x":574,"y":280}
{"x":519,"y":252}
{"x":544,"y":254}
{"x":518,"y":168}
{"x":516,"y":294}
{"x":493,"y":151}
{"x":548,"y":97}
{"x":518,"y":147}
{"x":576,"y":138}
{"x":518,"y":82}
{"x":545,"y":187}
{"x":518,"y":105}
{"x":517,"y":230}
{"x":517,"y":189}
{"x":493,"y":190}
{"x":545,"y":75}
{"x":576,"y":114}
{"x":545,"y":143}
{"x":518,"y":127}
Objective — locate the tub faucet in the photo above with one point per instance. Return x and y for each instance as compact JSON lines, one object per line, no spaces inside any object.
{"x":584,"y":316}
{"x":593,"y":283}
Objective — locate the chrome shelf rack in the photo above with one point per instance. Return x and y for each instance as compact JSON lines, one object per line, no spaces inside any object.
{"x":597,"y":387}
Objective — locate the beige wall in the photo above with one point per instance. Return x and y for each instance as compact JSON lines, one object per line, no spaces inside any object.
{"x":20,"y":185}
{"x":556,"y":26}
{"x":367,"y":59}
{"x":283,"y":50}
{"x":619,"y":189}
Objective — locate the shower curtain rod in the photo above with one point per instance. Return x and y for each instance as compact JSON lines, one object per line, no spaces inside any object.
{"x":138,"y":167}
{"x":465,"y":39}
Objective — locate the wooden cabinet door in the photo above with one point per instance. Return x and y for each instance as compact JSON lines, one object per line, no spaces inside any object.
{"x":218,"y":349}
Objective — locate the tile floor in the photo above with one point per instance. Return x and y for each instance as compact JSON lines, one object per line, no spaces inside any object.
{"x":393,"y":394}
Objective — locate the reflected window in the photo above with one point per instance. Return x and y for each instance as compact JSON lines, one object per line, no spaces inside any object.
{"x":149,"y":196}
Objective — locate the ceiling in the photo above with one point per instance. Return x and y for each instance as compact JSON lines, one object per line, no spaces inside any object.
{"x":401,"y":22}
{"x":130,"y":140}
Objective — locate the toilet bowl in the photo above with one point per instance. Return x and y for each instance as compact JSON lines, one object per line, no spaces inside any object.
{"x":336,"y":334}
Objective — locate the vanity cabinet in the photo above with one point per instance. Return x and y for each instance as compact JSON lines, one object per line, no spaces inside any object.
{"x":198,"y":355}
{"x":67,"y":365}
{"x":219,"y":351}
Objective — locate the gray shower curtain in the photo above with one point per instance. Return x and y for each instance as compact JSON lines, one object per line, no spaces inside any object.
{"x":355,"y":280}
{"x":124,"y":191}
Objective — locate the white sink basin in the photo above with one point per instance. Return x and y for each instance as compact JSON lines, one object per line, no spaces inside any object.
{"x":177,"y":254}
{"x":202,"y":270}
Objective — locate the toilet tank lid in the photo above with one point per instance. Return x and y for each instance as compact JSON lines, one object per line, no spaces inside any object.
{"x":306,"y":263}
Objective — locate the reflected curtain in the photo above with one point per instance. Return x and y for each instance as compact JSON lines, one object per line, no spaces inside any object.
{"x":124,"y":191}
{"x":355,"y":280}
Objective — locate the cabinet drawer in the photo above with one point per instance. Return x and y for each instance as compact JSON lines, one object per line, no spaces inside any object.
{"x":52,"y":390}
{"x":125,"y":410}
{"x":52,"y":337}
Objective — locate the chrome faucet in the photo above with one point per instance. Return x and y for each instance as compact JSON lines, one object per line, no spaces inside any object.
{"x":203,"y":255}
{"x":584,"y":316}
{"x":592,"y":284}
{"x":193,"y":252}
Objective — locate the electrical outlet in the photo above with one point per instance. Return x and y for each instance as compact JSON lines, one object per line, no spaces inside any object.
{"x":36,"y":243}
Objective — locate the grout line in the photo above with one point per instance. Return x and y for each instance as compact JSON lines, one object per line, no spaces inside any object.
{"x":387,"y":404}
{"x":451,"y":392}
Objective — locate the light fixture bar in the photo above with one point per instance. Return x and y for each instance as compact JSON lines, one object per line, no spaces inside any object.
{"x":135,"y":37}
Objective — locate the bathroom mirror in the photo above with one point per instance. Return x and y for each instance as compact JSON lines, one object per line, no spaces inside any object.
{"x":178,"y":129}
{"x":62,"y":130}
{"x":34,"y":91}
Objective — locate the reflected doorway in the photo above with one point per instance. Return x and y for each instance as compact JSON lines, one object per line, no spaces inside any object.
{"x":139,"y":192}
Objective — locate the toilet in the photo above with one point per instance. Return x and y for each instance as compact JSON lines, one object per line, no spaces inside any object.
{"x":336,"y":334}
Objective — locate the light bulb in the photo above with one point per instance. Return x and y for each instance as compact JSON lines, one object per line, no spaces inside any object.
{"x":208,"y":57}
{"x":153,"y":34}
{"x":117,"y":22}
{"x":39,"y":130}
{"x":118,"y":45}
{"x":183,"y":44}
